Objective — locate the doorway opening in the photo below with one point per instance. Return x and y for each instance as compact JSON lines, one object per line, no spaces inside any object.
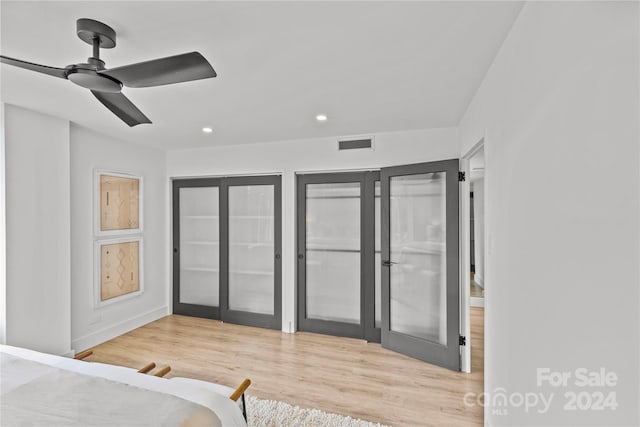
{"x":473,"y":244}
{"x":476,"y":228}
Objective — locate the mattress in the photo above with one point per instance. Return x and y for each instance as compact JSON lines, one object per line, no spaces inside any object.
{"x":37,"y":378}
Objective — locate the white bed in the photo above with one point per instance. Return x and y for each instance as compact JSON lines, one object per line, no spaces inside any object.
{"x":42,"y":389}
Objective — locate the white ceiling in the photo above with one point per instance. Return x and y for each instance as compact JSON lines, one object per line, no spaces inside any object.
{"x":370,"y":66}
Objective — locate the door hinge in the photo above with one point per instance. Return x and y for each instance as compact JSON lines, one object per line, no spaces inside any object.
{"x":462,"y":340}
{"x":461,"y":176}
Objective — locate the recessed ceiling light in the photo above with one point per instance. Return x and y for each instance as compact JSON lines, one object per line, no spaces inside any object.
{"x":321,"y":118}
{"x":207,"y":130}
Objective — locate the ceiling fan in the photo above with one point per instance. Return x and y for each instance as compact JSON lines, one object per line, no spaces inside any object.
{"x":106,"y":84}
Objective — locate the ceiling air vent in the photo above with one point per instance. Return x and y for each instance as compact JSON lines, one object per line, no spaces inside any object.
{"x":354,"y":144}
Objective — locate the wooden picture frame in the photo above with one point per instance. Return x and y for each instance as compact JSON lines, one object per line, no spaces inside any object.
{"x":118,"y":201}
{"x":118,"y":267}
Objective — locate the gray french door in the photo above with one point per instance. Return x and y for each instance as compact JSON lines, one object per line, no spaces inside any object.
{"x":420,"y":288}
{"x":227,"y":249}
{"x":339,"y":254}
{"x":196,"y":247}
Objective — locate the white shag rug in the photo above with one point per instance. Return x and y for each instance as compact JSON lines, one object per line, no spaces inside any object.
{"x":271,"y":413}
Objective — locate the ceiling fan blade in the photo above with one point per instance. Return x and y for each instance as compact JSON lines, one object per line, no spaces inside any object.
{"x":52,"y":71}
{"x":163,"y":71}
{"x":121,"y":107}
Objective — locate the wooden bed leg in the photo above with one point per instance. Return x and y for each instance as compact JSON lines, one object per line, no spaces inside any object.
{"x":239,"y":393}
{"x":163,"y":371}
{"x":146,"y":368}
{"x":240,"y":390}
{"x":83,"y":355}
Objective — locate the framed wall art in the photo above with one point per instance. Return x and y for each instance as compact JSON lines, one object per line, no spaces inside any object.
{"x":118,"y":268}
{"x":118,"y":203}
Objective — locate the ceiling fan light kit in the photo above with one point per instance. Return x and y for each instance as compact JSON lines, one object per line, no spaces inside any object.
{"x":106,"y":84}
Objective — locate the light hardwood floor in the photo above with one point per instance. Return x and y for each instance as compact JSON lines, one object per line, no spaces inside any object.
{"x":341,"y":375}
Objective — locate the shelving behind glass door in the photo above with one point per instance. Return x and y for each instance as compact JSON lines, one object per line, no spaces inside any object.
{"x":251,"y":248}
{"x":333,"y":256}
{"x":199,"y":246}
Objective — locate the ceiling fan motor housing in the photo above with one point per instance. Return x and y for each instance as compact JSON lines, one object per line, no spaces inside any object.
{"x":90,"y":79}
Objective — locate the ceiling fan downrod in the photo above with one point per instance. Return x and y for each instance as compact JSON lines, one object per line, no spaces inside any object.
{"x":96,"y":47}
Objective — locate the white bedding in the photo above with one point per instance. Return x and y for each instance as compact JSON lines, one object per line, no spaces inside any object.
{"x":227,"y":411}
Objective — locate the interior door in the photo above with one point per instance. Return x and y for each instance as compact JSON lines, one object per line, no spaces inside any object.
{"x":331,"y":254}
{"x":420,"y":258}
{"x":338,"y":256}
{"x":196,"y":252}
{"x":252,"y":267}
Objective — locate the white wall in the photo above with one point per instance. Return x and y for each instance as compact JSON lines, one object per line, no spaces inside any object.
{"x":3,"y":235}
{"x":290,"y":157}
{"x":38,"y":229}
{"x":89,"y":151}
{"x":559,"y":113}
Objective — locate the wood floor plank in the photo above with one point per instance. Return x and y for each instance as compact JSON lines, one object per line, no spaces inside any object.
{"x":341,"y":375}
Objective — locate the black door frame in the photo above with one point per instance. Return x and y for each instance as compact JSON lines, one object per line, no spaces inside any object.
{"x":448,"y":355}
{"x":366,"y":328}
{"x":222,"y":312}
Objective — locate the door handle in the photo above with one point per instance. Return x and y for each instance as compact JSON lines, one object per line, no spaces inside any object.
{"x":388,"y":263}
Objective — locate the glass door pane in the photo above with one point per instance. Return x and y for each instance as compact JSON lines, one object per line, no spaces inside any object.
{"x":251,"y":248}
{"x":199,"y":246}
{"x":418,"y":282}
{"x":333,"y":252}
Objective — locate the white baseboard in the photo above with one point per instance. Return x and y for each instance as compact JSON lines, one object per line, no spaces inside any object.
{"x":69,"y":353}
{"x":476,"y":302}
{"x":105,"y":334}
